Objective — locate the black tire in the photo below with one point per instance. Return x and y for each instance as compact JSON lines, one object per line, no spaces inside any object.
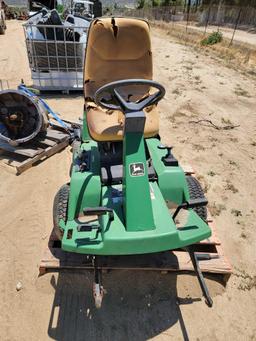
{"x":196,"y":192}
{"x":2,"y":30}
{"x":60,"y":208}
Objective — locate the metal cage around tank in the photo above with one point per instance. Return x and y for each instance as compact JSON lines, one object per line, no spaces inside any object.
{"x":56,"y":62}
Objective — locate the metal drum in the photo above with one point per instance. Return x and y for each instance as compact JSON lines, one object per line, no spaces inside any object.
{"x":22,"y":117}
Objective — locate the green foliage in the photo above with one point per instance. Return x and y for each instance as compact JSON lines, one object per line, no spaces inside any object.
{"x":155,"y":3}
{"x":240,"y":3}
{"x":140,"y":4}
{"x":165,"y":2}
{"x":172,"y":2}
{"x":213,"y":38}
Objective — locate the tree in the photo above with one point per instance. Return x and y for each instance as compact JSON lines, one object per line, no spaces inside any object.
{"x":165,"y":2}
{"x":140,"y":4}
{"x":155,"y":3}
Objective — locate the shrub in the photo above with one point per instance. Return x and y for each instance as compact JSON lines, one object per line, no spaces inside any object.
{"x":213,"y":38}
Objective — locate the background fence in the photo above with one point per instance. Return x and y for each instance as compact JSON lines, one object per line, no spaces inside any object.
{"x":235,"y":17}
{"x":211,"y":14}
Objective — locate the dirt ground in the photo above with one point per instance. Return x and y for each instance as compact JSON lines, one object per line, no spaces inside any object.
{"x":146,"y":305}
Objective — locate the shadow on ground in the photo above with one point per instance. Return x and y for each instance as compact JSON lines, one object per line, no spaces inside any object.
{"x":59,"y":95}
{"x":137,"y":306}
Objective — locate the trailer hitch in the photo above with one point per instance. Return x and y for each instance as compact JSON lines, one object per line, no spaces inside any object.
{"x":98,"y":291}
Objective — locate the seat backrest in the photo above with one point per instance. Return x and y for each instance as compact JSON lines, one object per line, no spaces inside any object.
{"x":117,"y":48}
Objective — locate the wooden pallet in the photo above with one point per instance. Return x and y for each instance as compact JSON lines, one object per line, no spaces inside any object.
{"x":55,"y":259}
{"x":25,"y":156}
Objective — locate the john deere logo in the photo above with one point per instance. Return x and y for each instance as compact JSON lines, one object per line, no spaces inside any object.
{"x":137,"y":169}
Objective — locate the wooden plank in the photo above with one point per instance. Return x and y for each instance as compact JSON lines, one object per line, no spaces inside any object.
{"x":46,"y":142}
{"x":10,"y":161}
{"x":46,"y":153}
{"x":188,"y":170}
{"x":26,"y":151}
{"x":56,"y":135}
{"x":56,"y":259}
{"x":213,"y":239}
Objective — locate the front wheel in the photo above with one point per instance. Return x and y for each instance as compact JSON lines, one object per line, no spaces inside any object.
{"x":196,"y":192}
{"x":60,"y":209}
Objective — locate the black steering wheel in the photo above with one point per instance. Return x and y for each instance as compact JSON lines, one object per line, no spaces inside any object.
{"x":122,"y":104}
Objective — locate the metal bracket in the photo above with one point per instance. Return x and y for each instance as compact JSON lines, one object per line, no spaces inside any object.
{"x":190,"y":204}
{"x":98,"y":291}
{"x":200,"y":277}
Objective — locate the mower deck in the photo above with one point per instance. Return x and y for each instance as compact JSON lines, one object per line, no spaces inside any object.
{"x":117,"y":241}
{"x":105,"y":235}
{"x":209,"y":251}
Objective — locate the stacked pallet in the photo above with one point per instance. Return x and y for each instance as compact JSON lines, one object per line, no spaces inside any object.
{"x":25,"y":156}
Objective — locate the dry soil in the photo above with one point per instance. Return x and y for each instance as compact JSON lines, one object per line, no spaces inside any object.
{"x":139,"y":306}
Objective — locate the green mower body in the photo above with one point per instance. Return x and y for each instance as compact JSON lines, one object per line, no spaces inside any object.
{"x":125,"y":185}
{"x":127,"y":194}
{"x":142,"y":219}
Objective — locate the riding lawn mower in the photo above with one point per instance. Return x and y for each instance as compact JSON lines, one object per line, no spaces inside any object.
{"x":127,"y":190}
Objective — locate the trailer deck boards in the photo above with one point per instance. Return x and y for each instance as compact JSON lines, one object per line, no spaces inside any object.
{"x":214,"y":260}
{"x":26,"y":155}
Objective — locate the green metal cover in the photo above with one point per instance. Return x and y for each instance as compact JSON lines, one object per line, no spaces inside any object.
{"x":114,"y":239}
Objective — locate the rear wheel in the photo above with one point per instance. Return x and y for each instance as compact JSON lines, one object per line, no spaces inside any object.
{"x":196,"y":192}
{"x":60,"y":208}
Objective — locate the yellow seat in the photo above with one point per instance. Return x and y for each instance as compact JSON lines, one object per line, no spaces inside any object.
{"x":117,"y":49}
{"x":107,"y":125}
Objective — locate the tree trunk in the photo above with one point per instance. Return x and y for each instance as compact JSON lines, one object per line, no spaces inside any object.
{"x":219,"y":13}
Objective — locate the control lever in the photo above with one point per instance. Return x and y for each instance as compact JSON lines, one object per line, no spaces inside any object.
{"x":192,"y":203}
{"x":168,"y":159}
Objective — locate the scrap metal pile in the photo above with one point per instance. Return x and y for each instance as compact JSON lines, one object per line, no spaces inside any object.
{"x":47,"y":18}
{"x":55,"y":49}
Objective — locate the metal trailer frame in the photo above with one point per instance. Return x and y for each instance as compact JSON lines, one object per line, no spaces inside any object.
{"x":55,"y":64}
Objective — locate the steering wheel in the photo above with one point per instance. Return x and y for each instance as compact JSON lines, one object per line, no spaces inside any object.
{"x":122,"y":104}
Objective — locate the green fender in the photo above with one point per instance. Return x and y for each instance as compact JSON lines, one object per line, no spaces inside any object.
{"x":171,"y":179}
{"x":85,"y":187}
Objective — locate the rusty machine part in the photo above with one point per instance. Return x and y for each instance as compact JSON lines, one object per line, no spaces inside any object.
{"x":22,"y":117}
